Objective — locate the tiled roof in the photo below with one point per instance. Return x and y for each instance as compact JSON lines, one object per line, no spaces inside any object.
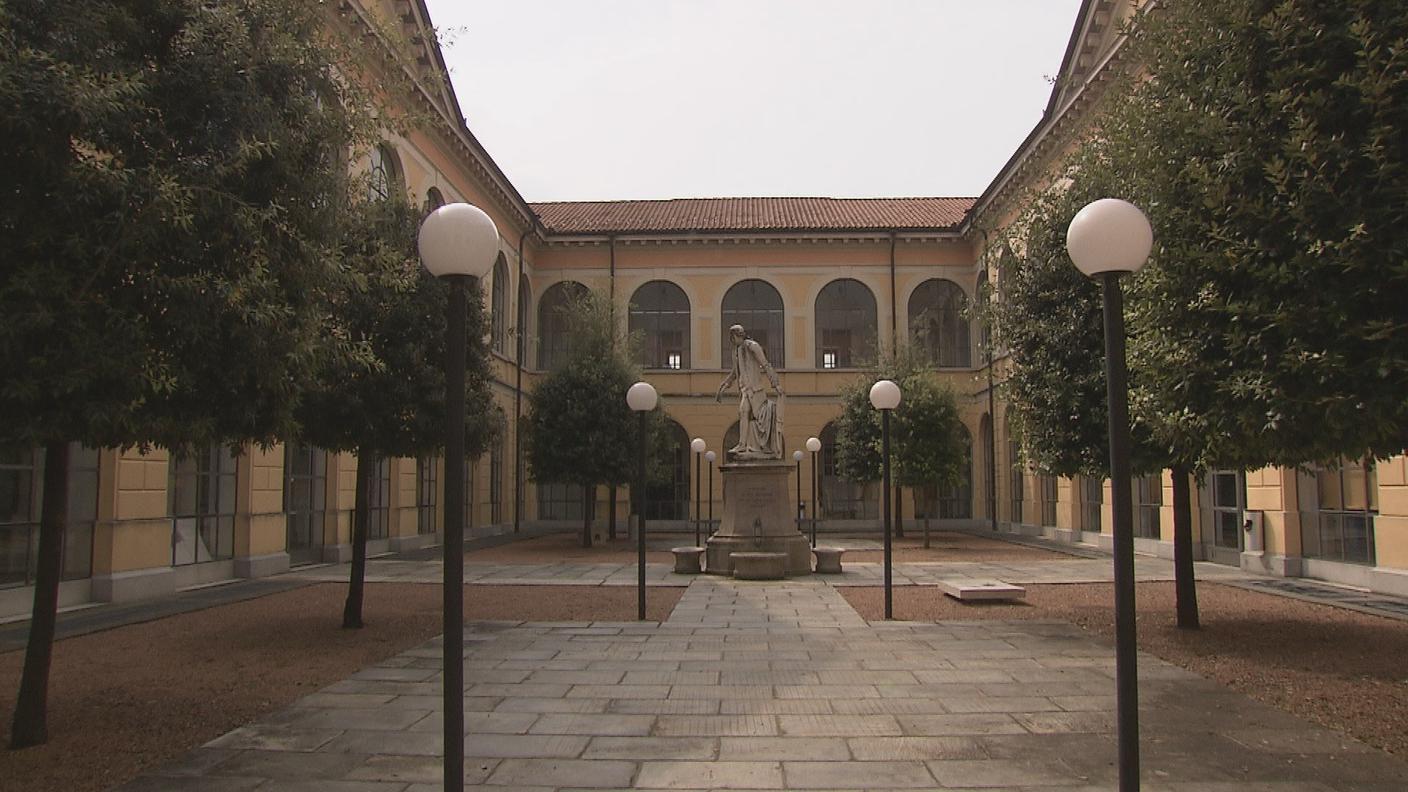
{"x":704,"y":215}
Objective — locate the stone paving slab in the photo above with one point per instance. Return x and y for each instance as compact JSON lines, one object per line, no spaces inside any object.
{"x":778,"y":686}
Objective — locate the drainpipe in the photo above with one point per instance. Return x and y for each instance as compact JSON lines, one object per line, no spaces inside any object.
{"x":518,"y":391}
{"x":611,"y":490}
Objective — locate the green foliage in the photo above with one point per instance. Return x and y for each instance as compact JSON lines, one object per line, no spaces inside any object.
{"x":925,"y":431}
{"x":386,"y":395}
{"x":1267,"y":327}
{"x":579,"y":429}
{"x":173,"y":175}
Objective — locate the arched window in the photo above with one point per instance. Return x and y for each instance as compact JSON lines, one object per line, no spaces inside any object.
{"x":956,"y":502}
{"x":937,"y":324}
{"x":841,"y":499}
{"x":1014,"y":466}
{"x":498,"y":305}
{"x":384,"y":177}
{"x":434,"y":199}
{"x":757,"y":306}
{"x":667,"y":489}
{"x":845,"y":325}
{"x":525,"y":303}
{"x":554,"y":333}
{"x":660,"y":311}
{"x":730,"y":440}
{"x":560,"y":502}
{"x":1092,"y":498}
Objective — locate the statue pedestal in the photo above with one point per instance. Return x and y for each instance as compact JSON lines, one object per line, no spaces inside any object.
{"x":758,"y":517}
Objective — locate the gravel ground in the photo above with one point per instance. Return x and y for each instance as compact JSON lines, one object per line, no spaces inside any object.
{"x":140,"y":696}
{"x":952,"y":546}
{"x":567,"y":547}
{"x":1336,"y":667}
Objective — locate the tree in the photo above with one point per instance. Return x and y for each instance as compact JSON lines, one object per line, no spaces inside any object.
{"x":926,"y":433}
{"x":172,"y":173}
{"x":579,"y":428}
{"x":389,"y":401}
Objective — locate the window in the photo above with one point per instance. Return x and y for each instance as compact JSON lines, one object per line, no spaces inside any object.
{"x":937,"y":324}
{"x":956,"y":501}
{"x":757,"y":306}
{"x":659,"y":311}
{"x":498,"y":306}
{"x":841,"y":499}
{"x":384,"y":178}
{"x":1229,"y":497}
{"x":845,"y":325}
{"x":1343,"y":527}
{"x":667,"y":486}
{"x":201,"y":501}
{"x":305,"y":498}
{"x":426,"y":494}
{"x":496,"y":480}
{"x":560,"y":502}
{"x":1148,"y":502}
{"x":525,"y":300}
{"x":379,"y":500}
{"x":1094,"y":492}
{"x":21,"y":503}
{"x":554,"y":330}
{"x":1049,"y":497}
{"x":434,"y":199}
{"x":1014,"y":464}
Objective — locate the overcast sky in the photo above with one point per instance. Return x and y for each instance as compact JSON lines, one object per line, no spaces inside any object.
{"x":613,"y":99}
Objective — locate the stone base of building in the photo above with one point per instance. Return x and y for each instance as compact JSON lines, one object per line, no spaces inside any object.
{"x":402,"y":544}
{"x":261,"y":566}
{"x":757,"y":517}
{"x":135,"y":585}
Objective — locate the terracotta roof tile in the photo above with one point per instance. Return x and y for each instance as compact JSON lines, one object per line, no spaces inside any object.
{"x":703,"y":215}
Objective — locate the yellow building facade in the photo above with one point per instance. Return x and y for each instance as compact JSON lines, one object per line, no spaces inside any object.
{"x":824,"y":285}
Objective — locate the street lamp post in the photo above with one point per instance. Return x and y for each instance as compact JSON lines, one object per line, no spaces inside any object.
{"x":885,"y":397}
{"x":1107,"y":238}
{"x":641,"y":397}
{"x":814,"y":445}
{"x":697,"y":445}
{"x":801,"y":499}
{"x":710,"y":456}
{"x":456,"y":242}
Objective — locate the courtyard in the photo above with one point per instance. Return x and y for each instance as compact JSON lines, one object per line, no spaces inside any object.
{"x":728,"y":685}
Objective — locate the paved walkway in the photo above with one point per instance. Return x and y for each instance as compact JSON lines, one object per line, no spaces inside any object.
{"x":777,"y":686}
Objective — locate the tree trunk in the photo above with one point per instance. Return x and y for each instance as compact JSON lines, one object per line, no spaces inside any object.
{"x":30,"y":726}
{"x":611,"y":514}
{"x":1185,"y":586}
{"x":352,"y":611}
{"x":899,"y":512}
{"x":588,"y":494}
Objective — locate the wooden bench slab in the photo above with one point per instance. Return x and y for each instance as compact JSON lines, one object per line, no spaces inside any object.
{"x":828,"y":559}
{"x":759,"y":566}
{"x":971,"y":589}
{"x":688,"y":560}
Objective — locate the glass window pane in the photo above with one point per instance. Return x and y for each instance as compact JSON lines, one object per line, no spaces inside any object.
{"x":757,"y":306}
{"x":659,"y":311}
{"x":845,"y":325}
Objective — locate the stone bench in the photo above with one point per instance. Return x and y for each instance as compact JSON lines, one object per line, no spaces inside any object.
{"x":759,"y":566}
{"x":688,"y":559}
{"x":828,"y":559}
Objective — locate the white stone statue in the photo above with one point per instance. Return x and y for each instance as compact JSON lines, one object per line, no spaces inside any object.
{"x":759,"y":418}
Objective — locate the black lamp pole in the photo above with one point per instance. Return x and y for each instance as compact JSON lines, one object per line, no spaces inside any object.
{"x":698,"y":465}
{"x":640,"y":523}
{"x":1126,"y":669}
{"x":801,"y":498}
{"x":711,"y":497}
{"x":453,"y":657}
{"x":885,"y":453}
{"x":815,"y":475}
